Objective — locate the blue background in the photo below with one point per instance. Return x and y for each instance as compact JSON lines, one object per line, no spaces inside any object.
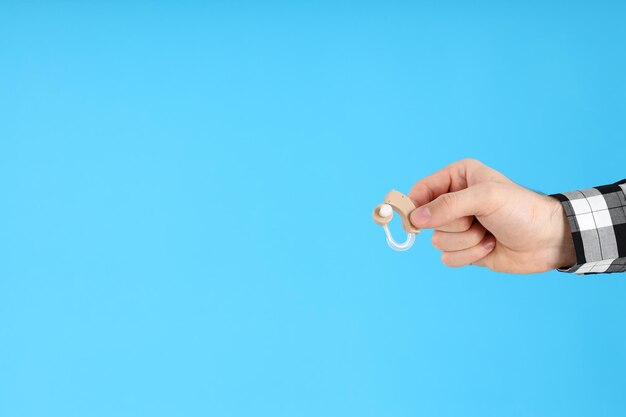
{"x":185,"y":225}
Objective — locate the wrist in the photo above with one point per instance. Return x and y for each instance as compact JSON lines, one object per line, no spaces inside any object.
{"x":562,"y":243}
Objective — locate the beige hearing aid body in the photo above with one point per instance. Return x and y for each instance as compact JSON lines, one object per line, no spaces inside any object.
{"x":403,"y":206}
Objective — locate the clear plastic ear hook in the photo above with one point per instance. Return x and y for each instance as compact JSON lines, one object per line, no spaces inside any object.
{"x":406,"y":245}
{"x":403,"y":206}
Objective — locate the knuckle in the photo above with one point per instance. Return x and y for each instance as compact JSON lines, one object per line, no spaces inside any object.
{"x":448,"y":260}
{"x":421,"y":191}
{"x":445,"y":259}
{"x":436,"y":240}
{"x":448,"y":201}
{"x":470,"y":162}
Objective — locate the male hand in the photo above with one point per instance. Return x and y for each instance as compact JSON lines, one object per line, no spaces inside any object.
{"x":481,"y":217}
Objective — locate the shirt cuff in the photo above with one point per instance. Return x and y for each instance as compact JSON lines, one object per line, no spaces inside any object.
{"x":597,"y":219}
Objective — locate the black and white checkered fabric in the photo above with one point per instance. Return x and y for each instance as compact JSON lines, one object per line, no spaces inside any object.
{"x":597,"y":218}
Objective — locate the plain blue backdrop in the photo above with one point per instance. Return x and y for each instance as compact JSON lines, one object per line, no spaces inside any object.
{"x":185,"y":222}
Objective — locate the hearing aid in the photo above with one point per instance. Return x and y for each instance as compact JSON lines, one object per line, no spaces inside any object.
{"x":403,"y":206}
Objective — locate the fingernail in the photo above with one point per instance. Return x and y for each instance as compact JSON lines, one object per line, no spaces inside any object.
{"x":489,"y":243}
{"x":420,"y":216}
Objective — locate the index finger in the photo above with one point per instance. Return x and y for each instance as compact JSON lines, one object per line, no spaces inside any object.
{"x":428,"y":188}
{"x":450,"y":178}
{"x":455,"y":177}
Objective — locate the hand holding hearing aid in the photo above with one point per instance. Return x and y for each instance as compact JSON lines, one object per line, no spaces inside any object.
{"x":481,"y":217}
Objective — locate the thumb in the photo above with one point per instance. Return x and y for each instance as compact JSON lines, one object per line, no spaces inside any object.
{"x":472,"y":201}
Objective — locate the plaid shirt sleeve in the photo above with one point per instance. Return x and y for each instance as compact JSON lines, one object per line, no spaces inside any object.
{"x":597,"y":219}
